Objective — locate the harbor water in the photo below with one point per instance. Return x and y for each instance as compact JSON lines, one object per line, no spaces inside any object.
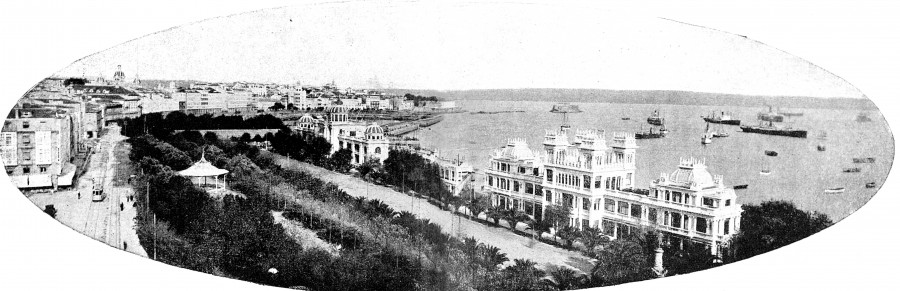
{"x":799,"y":173}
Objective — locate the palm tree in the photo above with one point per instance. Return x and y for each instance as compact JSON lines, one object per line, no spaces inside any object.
{"x":477,"y":205}
{"x":568,"y":233}
{"x":513,"y":217}
{"x":592,"y":237}
{"x":622,"y":260}
{"x":539,"y":227}
{"x":522,"y":275}
{"x":563,"y":278}
{"x":495,"y":213}
{"x":491,"y":257}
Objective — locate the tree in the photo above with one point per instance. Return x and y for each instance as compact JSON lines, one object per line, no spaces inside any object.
{"x":569,"y":234}
{"x":245,"y":137}
{"x":495,"y":213}
{"x":74,"y":82}
{"x":522,"y":275}
{"x":771,"y":225}
{"x":340,"y":160}
{"x":563,"y":278}
{"x":478,"y":204}
{"x":291,"y":106}
{"x":539,"y":227}
{"x":369,"y":166}
{"x":513,"y":217}
{"x":258,"y":138}
{"x":593,"y":237}
{"x":277,"y":106}
{"x":622,"y":260}
{"x":557,"y":215}
{"x":50,"y":210}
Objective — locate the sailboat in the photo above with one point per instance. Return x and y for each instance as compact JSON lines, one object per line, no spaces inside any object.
{"x":720,"y":132}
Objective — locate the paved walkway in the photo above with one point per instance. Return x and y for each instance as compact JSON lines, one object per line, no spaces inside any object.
{"x":107,"y":221}
{"x":513,"y":245}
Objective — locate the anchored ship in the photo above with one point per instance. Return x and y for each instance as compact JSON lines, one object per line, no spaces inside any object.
{"x":722,"y":118}
{"x":767,"y":126}
{"x":654,"y":118}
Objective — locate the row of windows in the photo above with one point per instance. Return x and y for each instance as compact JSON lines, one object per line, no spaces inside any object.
{"x":26,"y":170}
{"x":515,"y":186}
{"x":687,"y":198}
{"x":504,"y":167}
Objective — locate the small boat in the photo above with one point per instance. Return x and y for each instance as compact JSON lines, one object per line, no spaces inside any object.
{"x":862,"y":117}
{"x":707,"y":137}
{"x":823,"y":135}
{"x":765,"y":172}
{"x":870,"y":185}
{"x":852,"y":170}
{"x":837,"y":190}
{"x":821,"y":148}
{"x":742,"y":186}
{"x":772,"y":153}
{"x":863,"y":160}
{"x":720,"y":132}
{"x":626,"y":118}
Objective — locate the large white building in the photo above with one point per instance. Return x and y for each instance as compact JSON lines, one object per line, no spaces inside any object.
{"x":365,"y":141}
{"x":596,"y":180}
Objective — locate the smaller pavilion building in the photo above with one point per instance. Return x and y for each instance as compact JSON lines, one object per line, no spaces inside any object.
{"x":202,"y":172}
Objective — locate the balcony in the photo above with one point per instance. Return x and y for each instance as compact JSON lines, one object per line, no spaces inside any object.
{"x":649,"y":200}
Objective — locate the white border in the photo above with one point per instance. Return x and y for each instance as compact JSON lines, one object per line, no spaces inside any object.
{"x":857,"y":40}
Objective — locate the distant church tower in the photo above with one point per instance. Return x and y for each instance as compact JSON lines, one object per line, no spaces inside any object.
{"x":119,"y":76}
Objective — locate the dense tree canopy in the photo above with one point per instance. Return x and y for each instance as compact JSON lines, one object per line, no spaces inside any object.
{"x":771,"y":225}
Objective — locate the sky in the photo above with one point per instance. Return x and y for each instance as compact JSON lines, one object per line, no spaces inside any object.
{"x":465,"y":46}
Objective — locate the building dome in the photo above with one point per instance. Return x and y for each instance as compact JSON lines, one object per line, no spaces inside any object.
{"x":374,"y":129}
{"x":336,"y":109}
{"x":307,"y":119}
{"x":517,"y":149}
{"x":692,"y":173}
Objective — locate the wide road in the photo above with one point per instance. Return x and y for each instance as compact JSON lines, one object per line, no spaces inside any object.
{"x":105,"y":220}
{"x":513,"y":245}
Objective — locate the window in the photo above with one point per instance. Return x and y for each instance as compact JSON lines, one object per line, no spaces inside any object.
{"x":628,"y":178}
{"x":522,"y":170}
{"x":727,"y":202}
{"x":676,"y":197}
{"x":535,"y":172}
{"x":538,"y":190}
{"x":623,"y":207}
{"x":701,"y":225}
{"x":26,"y":170}
{"x":569,"y":201}
{"x":43,"y":169}
{"x":25,"y":124}
{"x":549,"y":196}
{"x":529,"y":188}
{"x":609,"y":205}
{"x":598,"y":183}
{"x":516,"y":186}
{"x":377,"y":150}
{"x":585,"y":204}
{"x":708,"y":202}
{"x":587,"y":182}
{"x":549,"y":175}
{"x":651,"y":215}
{"x":726,"y":225}
{"x":491,"y":181}
{"x":676,"y":220}
{"x":636,"y":210}
{"x":585,"y":224}
{"x":529,"y":208}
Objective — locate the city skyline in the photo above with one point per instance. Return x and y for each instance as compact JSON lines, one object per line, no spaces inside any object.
{"x":463,"y":47}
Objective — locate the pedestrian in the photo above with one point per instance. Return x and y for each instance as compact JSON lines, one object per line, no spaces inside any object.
{"x":121,"y":206}
{"x":126,"y":245}
{"x":79,"y":194}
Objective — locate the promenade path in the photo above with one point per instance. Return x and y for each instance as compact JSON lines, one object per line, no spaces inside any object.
{"x":106,"y":221}
{"x":513,"y":245}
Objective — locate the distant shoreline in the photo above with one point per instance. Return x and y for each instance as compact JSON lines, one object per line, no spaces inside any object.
{"x":648,"y":97}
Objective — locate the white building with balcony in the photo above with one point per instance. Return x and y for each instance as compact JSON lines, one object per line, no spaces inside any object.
{"x":596,"y":179}
{"x":514,"y":178}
